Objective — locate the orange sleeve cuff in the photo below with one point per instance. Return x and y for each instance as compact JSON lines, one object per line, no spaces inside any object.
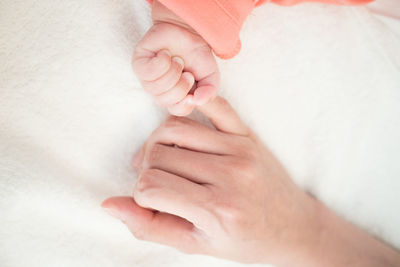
{"x":294,"y":2}
{"x":219,"y":21}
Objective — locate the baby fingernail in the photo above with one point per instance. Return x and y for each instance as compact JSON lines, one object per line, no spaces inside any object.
{"x":188,"y":77}
{"x":178,"y":60}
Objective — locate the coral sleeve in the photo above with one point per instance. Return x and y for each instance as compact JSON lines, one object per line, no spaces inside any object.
{"x":219,"y":21}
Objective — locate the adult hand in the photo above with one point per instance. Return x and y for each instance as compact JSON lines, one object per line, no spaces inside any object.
{"x":215,"y":191}
{"x":221,"y":192}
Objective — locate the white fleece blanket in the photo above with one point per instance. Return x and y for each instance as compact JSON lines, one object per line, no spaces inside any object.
{"x":320,"y":84}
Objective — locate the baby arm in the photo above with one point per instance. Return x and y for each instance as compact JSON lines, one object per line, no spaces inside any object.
{"x":174,"y":61}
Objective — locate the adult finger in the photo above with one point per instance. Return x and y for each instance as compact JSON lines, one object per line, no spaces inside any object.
{"x":224,"y":117}
{"x":207,"y":89}
{"x":188,"y":134}
{"x":196,"y":166}
{"x":154,"y":226}
{"x":183,"y":107}
{"x":169,"y":193}
{"x":192,"y":135}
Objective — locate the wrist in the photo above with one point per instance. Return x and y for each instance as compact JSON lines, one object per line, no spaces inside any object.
{"x":340,"y":243}
{"x":296,"y":243}
{"x":319,"y":237}
{"x":306,"y":240}
{"x":161,"y":14}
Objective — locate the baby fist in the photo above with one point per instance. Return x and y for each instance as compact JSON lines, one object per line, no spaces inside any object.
{"x":175,"y":64}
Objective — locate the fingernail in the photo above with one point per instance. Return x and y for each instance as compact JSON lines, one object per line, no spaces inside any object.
{"x":188,"y":77}
{"x":115,"y":213}
{"x":178,"y":60}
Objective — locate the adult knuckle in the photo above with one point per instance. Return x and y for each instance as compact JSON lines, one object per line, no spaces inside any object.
{"x":146,"y":181}
{"x":253,"y":153}
{"x":153,"y":154}
{"x":247,"y":169}
{"x":176,"y":124}
{"x":229,"y":165}
{"x":172,"y":126}
{"x":245,"y":148}
{"x":172,"y":122}
{"x":224,"y":104}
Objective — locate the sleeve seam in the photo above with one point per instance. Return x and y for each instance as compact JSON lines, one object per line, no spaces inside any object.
{"x":227,"y":12}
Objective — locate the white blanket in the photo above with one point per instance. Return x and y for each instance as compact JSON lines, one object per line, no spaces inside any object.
{"x":320,"y":84}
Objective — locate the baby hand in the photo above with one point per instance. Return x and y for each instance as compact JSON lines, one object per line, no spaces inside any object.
{"x":175,"y":64}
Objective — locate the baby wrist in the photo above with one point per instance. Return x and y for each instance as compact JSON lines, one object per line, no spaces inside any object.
{"x":161,"y":14}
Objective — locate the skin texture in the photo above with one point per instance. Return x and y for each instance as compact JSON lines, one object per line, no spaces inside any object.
{"x":175,"y":64}
{"x":219,"y":191}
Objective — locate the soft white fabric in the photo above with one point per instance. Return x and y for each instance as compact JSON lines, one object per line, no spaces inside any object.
{"x":320,"y":84}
